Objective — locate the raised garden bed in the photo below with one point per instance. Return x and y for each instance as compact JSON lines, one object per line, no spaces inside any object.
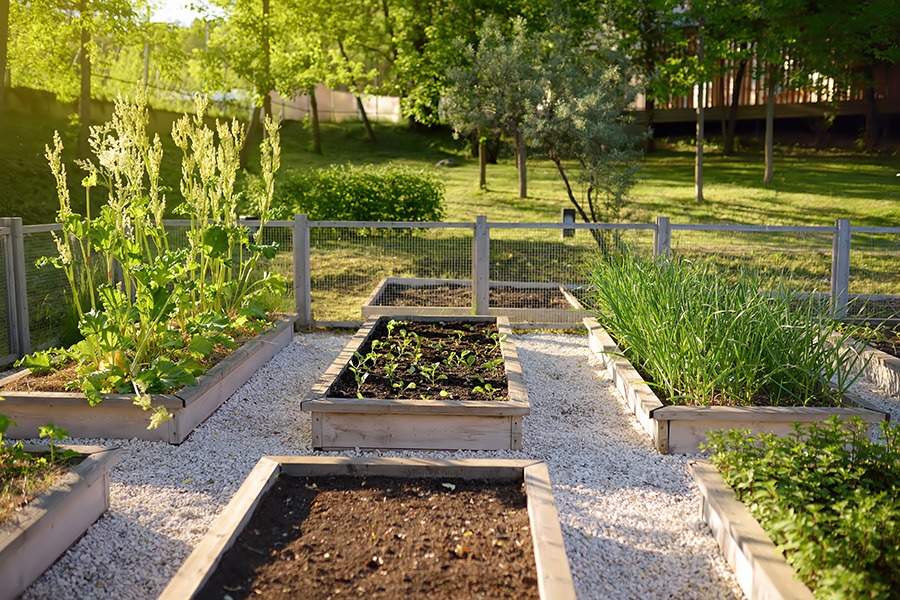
{"x":406,"y":420}
{"x":760,"y":569}
{"x":117,"y":416}
{"x":880,"y":364}
{"x":681,"y":429}
{"x":543,"y":303}
{"x":454,"y":538}
{"x":39,"y":533}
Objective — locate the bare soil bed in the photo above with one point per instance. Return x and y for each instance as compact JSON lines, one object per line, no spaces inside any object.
{"x":435,"y":364}
{"x":461,"y":295}
{"x":380,"y":537}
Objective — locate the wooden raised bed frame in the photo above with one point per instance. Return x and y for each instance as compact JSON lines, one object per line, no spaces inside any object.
{"x":554,"y":576}
{"x":681,"y":429}
{"x":39,"y":533}
{"x":881,"y":368}
{"x":760,"y":569}
{"x":546,"y":316}
{"x":370,"y":423}
{"x":117,"y":416}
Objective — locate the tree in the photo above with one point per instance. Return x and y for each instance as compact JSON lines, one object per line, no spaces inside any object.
{"x":49,"y":37}
{"x":251,"y":41}
{"x":493,"y":88}
{"x":581,"y":120}
{"x":846,"y":41}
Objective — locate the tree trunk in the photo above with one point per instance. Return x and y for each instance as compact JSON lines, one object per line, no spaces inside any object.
{"x":701,"y":123}
{"x":649,"y":110}
{"x":84,"y":98}
{"x":314,"y":119}
{"x":873,"y":122}
{"x":370,"y":133}
{"x":267,"y":105}
{"x":493,"y":150}
{"x":4,"y":37}
{"x":731,"y":123}
{"x":701,"y":134}
{"x":482,"y":163}
{"x":523,"y":173}
{"x":252,"y":132}
{"x":770,"y":128}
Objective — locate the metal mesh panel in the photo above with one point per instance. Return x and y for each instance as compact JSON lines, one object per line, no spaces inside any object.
{"x":5,"y":341}
{"x":283,"y":264}
{"x":875,"y":263}
{"x":347,"y":263}
{"x":49,"y":293}
{"x":547,"y":256}
{"x":796,"y":260}
{"x":528,"y":266}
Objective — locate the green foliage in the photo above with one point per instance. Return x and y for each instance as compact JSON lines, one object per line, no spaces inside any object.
{"x":581,"y":124}
{"x":155,"y":312}
{"x":828,"y":497}
{"x":362,"y":193}
{"x":707,"y":339}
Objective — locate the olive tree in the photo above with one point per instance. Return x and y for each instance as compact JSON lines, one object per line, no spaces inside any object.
{"x":492,"y":88}
{"x":581,"y":124}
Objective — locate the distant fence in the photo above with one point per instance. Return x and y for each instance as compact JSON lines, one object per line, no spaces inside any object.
{"x":333,"y":267}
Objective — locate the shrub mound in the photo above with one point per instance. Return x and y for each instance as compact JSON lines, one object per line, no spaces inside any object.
{"x":362,"y":193}
{"x":828,"y":497}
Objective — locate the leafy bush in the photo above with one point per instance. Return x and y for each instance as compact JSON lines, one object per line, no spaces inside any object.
{"x":153,"y":314}
{"x":828,"y":497}
{"x":705,"y":339}
{"x":362,"y":193}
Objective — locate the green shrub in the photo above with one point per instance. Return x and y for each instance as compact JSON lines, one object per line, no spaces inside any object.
{"x":362,"y":193}
{"x":701,"y":338}
{"x":828,"y":497}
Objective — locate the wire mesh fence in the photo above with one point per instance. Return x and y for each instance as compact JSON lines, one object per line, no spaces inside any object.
{"x":49,"y":303}
{"x":348,"y":263}
{"x":797,"y":260}
{"x":875,"y":261}
{"x":434,"y":265}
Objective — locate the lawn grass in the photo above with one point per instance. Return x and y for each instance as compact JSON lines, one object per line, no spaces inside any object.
{"x":810,"y":188}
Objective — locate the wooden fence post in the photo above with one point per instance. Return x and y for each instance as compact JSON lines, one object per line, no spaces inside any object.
{"x":840,"y":268}
{"x":302,"y":284}
{"x":662,"y":238}
{"x":481,"y":265}
{"x":17,"y":289}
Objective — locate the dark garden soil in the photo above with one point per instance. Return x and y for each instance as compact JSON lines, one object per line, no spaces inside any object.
{"x":65,"y":378}
{"x":888,"y":341}
{"x":456,"y":295}
{"x":440,"y":361}
{"x":379,"y":537}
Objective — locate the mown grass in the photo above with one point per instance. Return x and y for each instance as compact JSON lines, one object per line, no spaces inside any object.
{"x":810,"y":188}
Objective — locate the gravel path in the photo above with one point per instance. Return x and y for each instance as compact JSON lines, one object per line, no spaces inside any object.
{"x":629,"y":515}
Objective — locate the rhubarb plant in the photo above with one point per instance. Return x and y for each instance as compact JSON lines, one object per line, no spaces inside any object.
{"x":152,"y":314}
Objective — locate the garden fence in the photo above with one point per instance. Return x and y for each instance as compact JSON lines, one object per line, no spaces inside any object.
{"x":334,"y":267}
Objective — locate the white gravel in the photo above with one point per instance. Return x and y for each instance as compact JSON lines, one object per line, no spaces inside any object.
{"x":630,"y":516}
